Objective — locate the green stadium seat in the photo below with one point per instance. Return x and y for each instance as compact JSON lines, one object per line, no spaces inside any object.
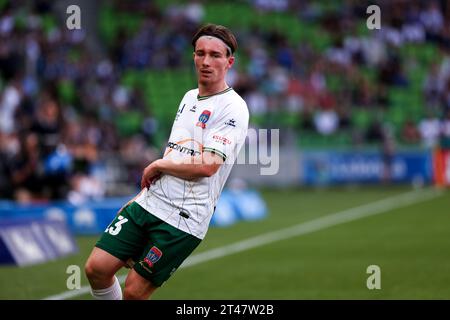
{"x":362,"y":30}
{"x":361,"y":118}
{"x":295,"y":30}
{"x":66,"y":91}
{"x":334,"y":82}
{"x":107,"y":24}
{"x":128,"y":123}
{"x":427,"y":53}
{"x":132,"y":79}
{"x":48,"y":22}
{"x":111,"y":22}
{"x":369,"y":73}
{"x":397,"y":115}
{"x":258,"y":120}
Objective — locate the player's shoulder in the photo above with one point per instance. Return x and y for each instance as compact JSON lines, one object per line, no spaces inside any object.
{"x":235,"y":103}
{"x":234,"y":111}
{"x":191,"y":94}
{"x":236,"y":97}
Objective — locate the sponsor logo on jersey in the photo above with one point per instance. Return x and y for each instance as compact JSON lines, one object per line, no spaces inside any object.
{"x":221,"y":139}
{"x":153,"y":256}
{"x":203,"y":119}
{"x":179,"y":112}
{"x":193,"y":108}
{"x":182,"y":149}
{"x":231,"y":123}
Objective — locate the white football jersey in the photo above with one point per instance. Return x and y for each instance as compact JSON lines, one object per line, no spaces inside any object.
{"x":217,"y":123}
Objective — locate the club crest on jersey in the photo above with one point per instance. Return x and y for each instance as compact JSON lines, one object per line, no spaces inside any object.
{"x":153,"y":256}
{"x":203,"y":119}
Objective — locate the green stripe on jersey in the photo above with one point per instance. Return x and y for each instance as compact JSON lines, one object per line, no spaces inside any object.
{"x":219,"y":153}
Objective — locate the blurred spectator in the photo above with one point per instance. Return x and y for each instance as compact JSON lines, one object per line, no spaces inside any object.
{"x":9,"y":148}
{"x":339,"y":54}
{"x":429,"y":129}
{"x":194,"y":12}
{"x":446,"y":97}
{"x":375,"y":133}
{"x":432,"y":18}
{"x":47,"y":125}
{"x":9,"y":102}
{"x":388,"y":149}
{"x":268,"y":5}
{"x":257,"y":103}
{"x":445,"y":132}
{"x":27,"y":173}
{"x":84,"y":188}
{"x":409,"y":133}
{"x":326,"y":121}
{"x":413,"y":30}
{"x":391,"y":73}
{"x":433,"y":88}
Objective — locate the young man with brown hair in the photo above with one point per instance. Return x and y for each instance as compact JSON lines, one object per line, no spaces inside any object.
{"x":156,"y":231}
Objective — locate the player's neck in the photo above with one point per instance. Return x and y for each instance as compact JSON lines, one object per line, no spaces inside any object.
{"x":208,"y":90}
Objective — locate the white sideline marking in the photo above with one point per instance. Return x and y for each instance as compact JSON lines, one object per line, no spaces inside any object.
{"x":377,"y":207}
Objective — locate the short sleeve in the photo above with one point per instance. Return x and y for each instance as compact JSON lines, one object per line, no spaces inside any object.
{"x":227,"y":135}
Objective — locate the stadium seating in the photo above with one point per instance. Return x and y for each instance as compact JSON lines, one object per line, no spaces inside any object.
{"x":405,"y":103}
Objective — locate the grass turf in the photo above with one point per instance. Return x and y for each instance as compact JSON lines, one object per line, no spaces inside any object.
{"x":410,"y":244}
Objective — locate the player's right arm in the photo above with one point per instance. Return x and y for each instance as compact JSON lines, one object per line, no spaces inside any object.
{"x":202,"y":166}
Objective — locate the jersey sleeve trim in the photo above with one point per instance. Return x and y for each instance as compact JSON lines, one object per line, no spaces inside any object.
{"x":215,"y":151}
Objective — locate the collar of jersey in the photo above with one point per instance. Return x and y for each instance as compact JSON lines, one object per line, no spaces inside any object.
{"x":199,"y":97}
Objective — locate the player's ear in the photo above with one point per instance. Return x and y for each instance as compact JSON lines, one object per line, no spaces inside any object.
{"x":230,"y":61}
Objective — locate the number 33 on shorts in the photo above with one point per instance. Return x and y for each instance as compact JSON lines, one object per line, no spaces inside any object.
{"x":117,"y":226}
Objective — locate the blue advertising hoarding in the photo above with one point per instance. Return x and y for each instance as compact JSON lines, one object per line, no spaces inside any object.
{"x":28,"y":241}
{"x":89,"y":218}
{"x":336,"y":167}
{"x":93,"y":217}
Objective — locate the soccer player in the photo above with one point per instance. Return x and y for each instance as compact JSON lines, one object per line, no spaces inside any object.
{"x":158,"y":229}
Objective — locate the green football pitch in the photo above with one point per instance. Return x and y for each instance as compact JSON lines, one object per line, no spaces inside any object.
{"x":314,"y":244}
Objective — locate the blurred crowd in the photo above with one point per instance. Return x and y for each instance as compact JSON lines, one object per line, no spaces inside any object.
{"x":296,"y":79}
{"x":58,"y":106}
{"x":60,"y":98}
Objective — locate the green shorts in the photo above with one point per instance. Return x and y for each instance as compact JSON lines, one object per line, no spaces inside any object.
{"x":156,"y":248}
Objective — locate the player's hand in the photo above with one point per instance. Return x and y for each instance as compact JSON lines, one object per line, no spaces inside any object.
{"x":150,"y":175}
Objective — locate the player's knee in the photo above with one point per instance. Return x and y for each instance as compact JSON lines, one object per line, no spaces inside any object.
{"x":89,"y":269}
{"x":129,"y":294}
{"x":92,"y":270}
{"x":132,"y":293}
{"x":137,"y":291}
